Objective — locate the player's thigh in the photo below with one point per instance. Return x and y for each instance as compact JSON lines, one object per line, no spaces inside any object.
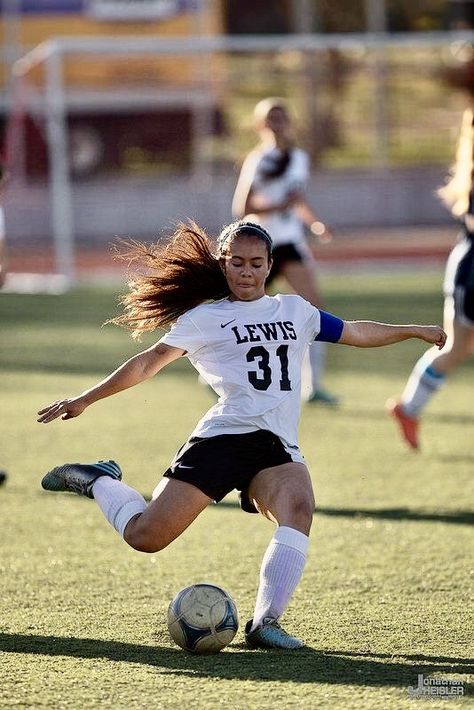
{"x":464,"y":339}
{"x":302,"y":279}
{"x":284,"y":494}
{"x":460,"y":343}
{"x":174,"y":507}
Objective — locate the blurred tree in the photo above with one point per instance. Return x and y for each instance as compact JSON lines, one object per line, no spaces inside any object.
{"x":280,"y":16}
{"x":459,"y":69}
{"x":461,"y":14}
{"x":249,"y":17}
{"x":420,"y":16}
{"x":342,"y":15}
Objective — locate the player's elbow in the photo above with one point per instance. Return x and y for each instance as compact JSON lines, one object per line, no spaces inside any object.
{"x":352,"y":335}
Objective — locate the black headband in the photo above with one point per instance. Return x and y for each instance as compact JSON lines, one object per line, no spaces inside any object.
{"x":246,"y":227}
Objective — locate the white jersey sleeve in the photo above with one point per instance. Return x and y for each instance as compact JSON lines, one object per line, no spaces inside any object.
{"x":185,"y":334}
{"x":299,"y":170}
{"x":245,"y":183}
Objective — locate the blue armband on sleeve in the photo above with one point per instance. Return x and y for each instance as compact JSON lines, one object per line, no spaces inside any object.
{"x":331,"y":328}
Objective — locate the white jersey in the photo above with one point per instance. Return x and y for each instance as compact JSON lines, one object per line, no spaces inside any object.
{"x":250,"y":353}
{"x":285,"y":227}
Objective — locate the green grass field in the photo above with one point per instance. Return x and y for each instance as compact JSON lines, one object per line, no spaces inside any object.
{"x":387,"y":590}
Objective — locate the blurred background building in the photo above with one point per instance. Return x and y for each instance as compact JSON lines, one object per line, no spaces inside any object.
{"x":124,"y":116}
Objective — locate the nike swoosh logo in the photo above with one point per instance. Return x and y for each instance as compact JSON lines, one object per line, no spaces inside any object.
{"x":224,"y":325}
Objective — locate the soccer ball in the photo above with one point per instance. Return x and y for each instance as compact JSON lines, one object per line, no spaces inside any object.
{"x":202,"y":618}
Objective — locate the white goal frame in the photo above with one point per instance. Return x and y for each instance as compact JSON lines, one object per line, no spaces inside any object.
{"x":55,"y":101}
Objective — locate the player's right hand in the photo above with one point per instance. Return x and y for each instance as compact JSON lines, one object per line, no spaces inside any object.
{"x":64,"y":408}
{"x":434,"y":334}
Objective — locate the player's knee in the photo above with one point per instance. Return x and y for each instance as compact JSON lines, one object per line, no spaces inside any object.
{"x":142,"y":541}
{"x":300,"y":510}
{"x":305,"y":510}
{"x":143,"y":544}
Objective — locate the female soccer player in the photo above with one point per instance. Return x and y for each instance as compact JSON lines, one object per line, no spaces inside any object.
{"x":270,"y":190}
{"x":429,"y":373}
{"x":249,"y":347}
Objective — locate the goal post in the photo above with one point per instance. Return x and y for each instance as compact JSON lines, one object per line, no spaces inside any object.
{"x":52,"y":99}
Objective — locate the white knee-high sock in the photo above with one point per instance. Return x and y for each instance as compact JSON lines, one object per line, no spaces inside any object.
{"x":422,"y":384}
{"x":317,"y":360}
{"x":118,"y":502}
{"x":281,"y":570}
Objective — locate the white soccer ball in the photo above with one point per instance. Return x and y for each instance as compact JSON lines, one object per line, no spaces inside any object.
{"x":203,"y":618}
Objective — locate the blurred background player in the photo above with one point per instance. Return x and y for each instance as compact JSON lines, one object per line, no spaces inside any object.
{"x":3,"y":267}
{"x":430,"y":371}
{"x":270,"y":190}
{"x":3,"y":254}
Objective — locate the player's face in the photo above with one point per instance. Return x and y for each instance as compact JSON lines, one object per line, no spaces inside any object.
{"x":278,"y":122}
{"x":246,"y":266}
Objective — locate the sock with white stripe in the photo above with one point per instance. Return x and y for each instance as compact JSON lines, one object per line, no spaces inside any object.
{"x":281,"y":570}
{"x":118,"y":502}
{"x":422,"y":384}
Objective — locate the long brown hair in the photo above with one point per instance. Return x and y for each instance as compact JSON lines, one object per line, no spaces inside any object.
{"x":177,"y":274}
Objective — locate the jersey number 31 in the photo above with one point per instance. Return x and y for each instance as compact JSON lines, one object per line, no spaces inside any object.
{"x":262,"y":378}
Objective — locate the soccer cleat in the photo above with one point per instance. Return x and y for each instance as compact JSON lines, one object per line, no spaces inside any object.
{"x":408,"y":425}
{"x":270,"y":635}
{"x":79,"y":477}
{"x":3,"y":477}
{"x":322,"y":396}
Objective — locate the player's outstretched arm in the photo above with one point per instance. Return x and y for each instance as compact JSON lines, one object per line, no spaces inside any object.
{"x":371,"y":334}
{"x":139,"y":368}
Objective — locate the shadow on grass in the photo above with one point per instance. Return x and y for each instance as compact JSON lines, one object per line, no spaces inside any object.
{"x":304,"y":666}
{"x":376,"y":412}
{"x":457,"y":517}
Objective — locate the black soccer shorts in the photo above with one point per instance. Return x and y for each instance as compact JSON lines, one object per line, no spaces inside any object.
{"x":281,"y":255}
{"x":219,"y":464}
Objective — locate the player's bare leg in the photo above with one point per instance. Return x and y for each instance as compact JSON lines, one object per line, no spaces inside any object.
{"x":174,"y":506}
{"x":145,"y":527}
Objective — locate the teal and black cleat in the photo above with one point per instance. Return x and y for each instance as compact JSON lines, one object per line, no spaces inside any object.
{"x":322,"y":396}
{"x":79,"y":477}
{"x":269,"y":634}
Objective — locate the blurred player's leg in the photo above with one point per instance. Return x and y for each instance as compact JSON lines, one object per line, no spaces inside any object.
{"x":302,"y":279}
{"x":429,"y":375}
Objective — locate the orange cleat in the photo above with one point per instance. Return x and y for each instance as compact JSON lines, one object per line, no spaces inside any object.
{"x":408,"y":425}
